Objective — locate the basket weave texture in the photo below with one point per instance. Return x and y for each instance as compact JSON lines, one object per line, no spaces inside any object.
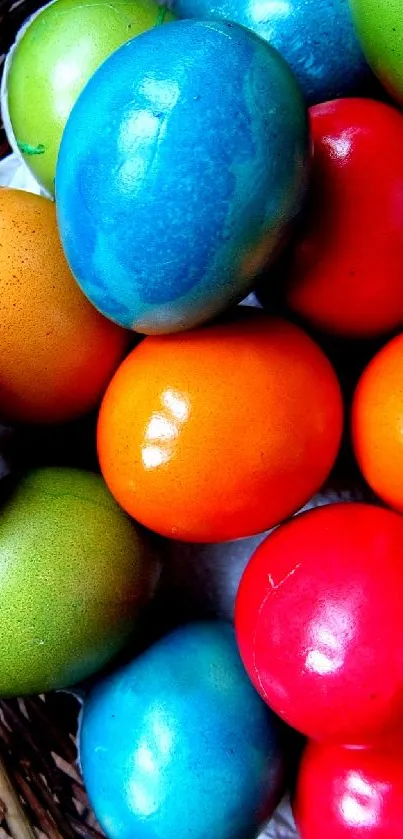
{"x":41,"y":792}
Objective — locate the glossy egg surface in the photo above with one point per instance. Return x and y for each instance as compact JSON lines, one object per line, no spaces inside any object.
{"x":54,"y":59}
{"x":350,"y":793}
{"x":343,"y":273}
{"x":179,"y":744}
{"x":316,"y":37}
{"x":221,"y":432}
{"x":319,"y":622}
{"x":182,"y":167}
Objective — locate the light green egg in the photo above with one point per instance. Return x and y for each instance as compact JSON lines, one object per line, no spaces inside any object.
{"x":53,"y":60}
{"x":379,"y":26}
{"x":75,"y":572}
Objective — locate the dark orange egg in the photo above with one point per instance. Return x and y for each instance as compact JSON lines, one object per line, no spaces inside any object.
{"x":221,"y":432}
{"x":57,"y":353}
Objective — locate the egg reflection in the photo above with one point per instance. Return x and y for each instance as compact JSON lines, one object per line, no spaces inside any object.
{"x":163,"y":429}
{"x":350,"y":792}
{"x":361,"y":804}
{"x":331,"y":635}
{"x":153,"y":755}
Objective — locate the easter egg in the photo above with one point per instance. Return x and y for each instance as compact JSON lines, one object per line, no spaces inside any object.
{"x":221,"y":432}
{"x":380,"y":31}
{"x":54,"y":58}
{"x":350,"y":793}
{"x":319,"y":622}
{"x":75,"y":572}
{"x":377,"y":423}
{"x":57,"y":353}
{"x":179,"y":744}
{"x":181,"y":169}
{"x":316,"y":37}
{"x":202,"y":580}
{"x":344,"y":273}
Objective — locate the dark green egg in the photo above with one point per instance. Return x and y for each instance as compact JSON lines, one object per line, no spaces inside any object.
{"x":75,"y":572}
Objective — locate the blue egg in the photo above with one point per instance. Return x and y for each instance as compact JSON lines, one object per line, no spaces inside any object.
{"x":316,"y":37}
{"x":178,"y":744}
{"x":181,"y":168}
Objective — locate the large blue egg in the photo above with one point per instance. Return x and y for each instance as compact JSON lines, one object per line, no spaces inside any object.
{"x":178,"y":744}
{"x":316,"y":37}
{"x":181,"y":168}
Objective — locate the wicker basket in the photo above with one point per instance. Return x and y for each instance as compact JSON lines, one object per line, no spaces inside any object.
{"x":41,"y":792}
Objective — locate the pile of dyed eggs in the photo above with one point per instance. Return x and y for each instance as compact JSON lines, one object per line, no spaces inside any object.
{"x":187,"y":158}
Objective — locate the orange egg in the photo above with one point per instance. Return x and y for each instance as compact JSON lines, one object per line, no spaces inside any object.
{"x":221,"y":432}
{"x":57,"y":353}
{"x":377,"y":423}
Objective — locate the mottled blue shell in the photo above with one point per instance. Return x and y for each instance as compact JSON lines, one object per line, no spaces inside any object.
{"x":316,"y":37}
{"x":181,"y":167}
{"x":178,"y":744}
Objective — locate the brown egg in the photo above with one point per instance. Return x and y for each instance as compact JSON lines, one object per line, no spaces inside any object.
{"x":57,"y":353}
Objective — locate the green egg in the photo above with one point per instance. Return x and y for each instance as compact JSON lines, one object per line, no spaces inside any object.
{"x":53,"y":60}
{"x":75,"y":572}
{"x":379,"y":26}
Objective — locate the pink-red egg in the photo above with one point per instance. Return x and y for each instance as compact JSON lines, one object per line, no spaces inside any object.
{"x":320,"y":622}
{"x":347,"y":793}
{"x":345,"y":274}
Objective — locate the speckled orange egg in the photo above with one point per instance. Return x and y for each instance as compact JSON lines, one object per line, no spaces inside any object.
{"x":221,"y":432}
{"x":57,"y":353}
{"x":377,"y":423}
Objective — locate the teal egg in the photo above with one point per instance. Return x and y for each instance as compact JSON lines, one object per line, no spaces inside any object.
{"x":183,"y":164}
{"x":53,"y":60}
{"x":178,"y":744}
{"x":316,"y":37}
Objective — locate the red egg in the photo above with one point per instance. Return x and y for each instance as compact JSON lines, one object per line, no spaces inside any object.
{"x":345,"y":274}
{"x":319,"y":618}
{"x":349,"y":793}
